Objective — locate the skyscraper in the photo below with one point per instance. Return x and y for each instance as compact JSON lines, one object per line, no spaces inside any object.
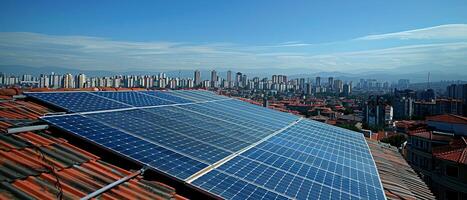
{"x":229,"y":79}
{"x":338,"y":86}
{"x":318,"y":81}
{"x":331,"y":82}
{"x":229,"y":76}
{"x":197,"y":78}
{"x":238,"y":79}
{"x":68,"y":81}
{"x":347,"y":90}
{"x":81,"y":81}
{"x":213,"y":78}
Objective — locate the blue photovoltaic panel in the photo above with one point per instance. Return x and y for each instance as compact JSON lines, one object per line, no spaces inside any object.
{"x":141,"y":150}
{"x":193,"y":129}
{"x":203,"y":93}
{"x":163,"y":131}
{"x":196,"y":95}
{"x":77,"y":101}
{"x":262,"y":119}
{"x":202,"y":137}
{"x":231,"y":187}
{"x":309,"y":160}
{"x":133,"y":98}
{"x":167,"y":96}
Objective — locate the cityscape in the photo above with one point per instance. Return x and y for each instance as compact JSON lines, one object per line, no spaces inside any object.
{"x":313,"y":109}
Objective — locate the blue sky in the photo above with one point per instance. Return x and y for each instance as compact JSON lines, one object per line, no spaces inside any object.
{"x":171,"y":35}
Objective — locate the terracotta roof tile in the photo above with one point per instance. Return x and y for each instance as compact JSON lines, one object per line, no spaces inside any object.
{"x":32,"y":162}
{"x":429,"y":135}
{"x":448,"y":118}
{"x":399,"y":180}
{"x":455,"y":151}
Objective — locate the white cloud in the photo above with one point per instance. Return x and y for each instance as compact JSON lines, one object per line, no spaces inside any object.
{"x":448,"y":31}
{"x":89,"y":53}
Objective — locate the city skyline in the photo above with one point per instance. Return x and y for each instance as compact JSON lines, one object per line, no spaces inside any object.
{"x":415,"y":41}
{"x":263,"y":99}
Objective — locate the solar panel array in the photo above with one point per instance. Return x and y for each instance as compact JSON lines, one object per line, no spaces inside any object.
{"x":229,"y":148}
{"x":306,"y":161}
{"x":77,"y":101}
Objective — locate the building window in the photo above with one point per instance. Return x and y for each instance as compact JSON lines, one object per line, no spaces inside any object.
{"x":452,"y":171}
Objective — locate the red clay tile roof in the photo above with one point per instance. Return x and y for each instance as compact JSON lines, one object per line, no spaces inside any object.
{"x":448,"y":118}
{"x":32,"y":162}
{"x":430,"y":135}
{"x":456,"y":151}
{"x":399,"y":180}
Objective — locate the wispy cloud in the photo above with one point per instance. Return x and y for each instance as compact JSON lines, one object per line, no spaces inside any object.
{"x":448,"y":31}
{"x":442,"y":46}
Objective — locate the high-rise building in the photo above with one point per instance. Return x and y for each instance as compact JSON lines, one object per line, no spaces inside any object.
{"x":331,"y":83}
{"x":458,"y":91}
{"x":213,"y":78}
{"x":374,"y":112}
{"x":274,"y":79}
{"x":347,"y":89}
{"x":68,"y":81}
{"x":55,"y":80}
{"x":338,"y":86}
{"x":44,"y":81}
{"x":238,"y":79}
{"x":318,"y":81}
{"x":229,"y":76}
{"x":309,"y":89}
{"x":301,"y":84}
{"x":81,"y":81}
{"x":244,"y":80}
{"x":197,"y":78}
{"x":26,"y":77}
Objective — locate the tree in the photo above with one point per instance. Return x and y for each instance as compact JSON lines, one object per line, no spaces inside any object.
{"x":395,"y":140}
{"x":349,"y":126}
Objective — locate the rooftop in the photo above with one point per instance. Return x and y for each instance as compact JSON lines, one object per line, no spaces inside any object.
{"x":430,"y":135}
{"x":45,"y":161}
{"x":448,"y":118}
{"x":456,"y":151}
{"x":399,"y":180}
{"x":39,"y":165}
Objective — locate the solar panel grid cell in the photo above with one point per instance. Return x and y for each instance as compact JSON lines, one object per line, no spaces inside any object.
{"x":167,"y":96}
{"x":127,"y":145}
{"x":240,"y":115}
{"x":207,"y":129}
{"x":194,"y":96}
{"x":137,"y":122}
{"x":134,"y":98}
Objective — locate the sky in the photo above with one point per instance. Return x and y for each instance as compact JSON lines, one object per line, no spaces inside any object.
{"x":344,"y":36}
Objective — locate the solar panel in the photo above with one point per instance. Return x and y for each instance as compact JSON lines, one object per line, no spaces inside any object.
{"x":194,"y":95}
{"x":135,"y":98}
{"x":77,"y":101}
{"x":244,"y":114}
{"x":163,"y":131}
{"x":167,"y":96}
{"x":140,"y":149}
{"x":232,"y":149}
{"x":309,"y":160}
